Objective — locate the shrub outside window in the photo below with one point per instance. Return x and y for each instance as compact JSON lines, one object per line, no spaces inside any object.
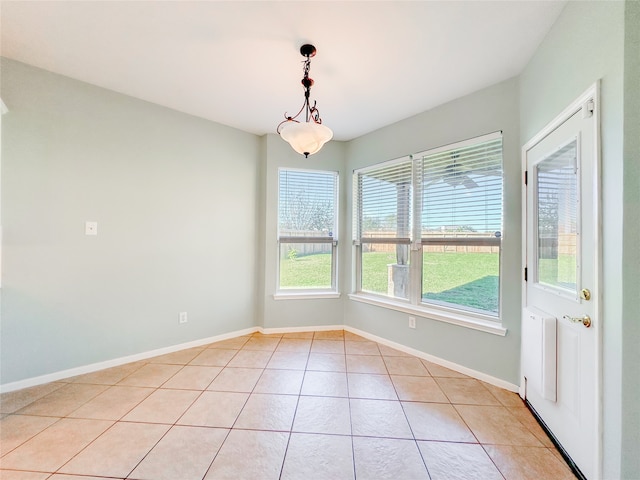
{"x":307,"y":236}
{"x":427,"y":227}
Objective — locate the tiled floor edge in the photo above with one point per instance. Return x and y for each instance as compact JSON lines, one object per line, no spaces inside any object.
{"x":498,"y":382}
{"x":316,"y":328}
{"x":93,"y":367}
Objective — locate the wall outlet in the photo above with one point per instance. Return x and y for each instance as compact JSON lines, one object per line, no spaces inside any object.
{"x":91,"y":228}
{"x":412,"y":322}
{"x":182,"y":317}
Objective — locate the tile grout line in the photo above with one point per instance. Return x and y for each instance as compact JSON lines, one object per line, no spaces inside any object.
{"x":346,"y":373}
{"x":171,"y":426}
{"x":295,"y":412}
{"x":119,"y":421}
{"x":4,"y":454}
{"x":482,"y":445}
{"x":57,"y":470}
{"x":415,"y":440}
{"x":66,"y":417}
{"x":239,"y":413}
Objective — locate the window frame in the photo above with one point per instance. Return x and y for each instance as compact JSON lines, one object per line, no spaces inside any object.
{"x":416,"y":304}
{"x":380,"y":240}
{"x":302,"y":292}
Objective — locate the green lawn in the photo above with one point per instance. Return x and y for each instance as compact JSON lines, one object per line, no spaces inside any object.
{"x":558,"y":272}
{"x":465,"y":279}
{"x":309,"y":271}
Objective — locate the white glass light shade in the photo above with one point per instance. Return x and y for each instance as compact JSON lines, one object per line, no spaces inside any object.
{"x":306,"y":138}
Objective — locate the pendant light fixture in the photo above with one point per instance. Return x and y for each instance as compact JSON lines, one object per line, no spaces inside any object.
{"x":309,"y":136}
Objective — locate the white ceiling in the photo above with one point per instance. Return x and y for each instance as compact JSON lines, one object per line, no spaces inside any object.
{"x":238,"y":62}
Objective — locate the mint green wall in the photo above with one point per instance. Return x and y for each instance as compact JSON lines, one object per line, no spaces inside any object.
{"x":306,"y":312}
{"x":489,"y":110}
{"x":631,"y":253}
{"x":586,"y":44}
{"x":175,"y":199}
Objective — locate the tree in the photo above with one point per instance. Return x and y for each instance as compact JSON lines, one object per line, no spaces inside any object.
{"x":301,"y":212}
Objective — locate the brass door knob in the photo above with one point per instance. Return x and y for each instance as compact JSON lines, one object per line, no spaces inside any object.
{"x":585,"y":320}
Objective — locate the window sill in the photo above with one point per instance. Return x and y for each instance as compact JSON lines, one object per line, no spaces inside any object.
{"x":304,"y":295}
{"x":475,"y":322}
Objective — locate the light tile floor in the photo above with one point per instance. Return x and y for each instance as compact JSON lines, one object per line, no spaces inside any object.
{"x":323,"y":405}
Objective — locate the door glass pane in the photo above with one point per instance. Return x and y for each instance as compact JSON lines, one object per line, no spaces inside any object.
{"x":557,"y":213}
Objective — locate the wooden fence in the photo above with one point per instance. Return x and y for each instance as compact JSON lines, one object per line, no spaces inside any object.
{"x":565,"y":245}
{"x":437,"y":248}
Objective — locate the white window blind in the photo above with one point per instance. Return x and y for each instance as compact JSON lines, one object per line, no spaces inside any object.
{"x":384,"y":199}
{"x":558,"y":192}
{"x":557,"y":212}
{"x":307,"y":203}
{"x":462,"y":190}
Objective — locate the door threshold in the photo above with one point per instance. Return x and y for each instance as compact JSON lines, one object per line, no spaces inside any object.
{"x":572,"y":465}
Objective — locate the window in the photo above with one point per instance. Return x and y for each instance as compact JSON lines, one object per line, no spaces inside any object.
{"x":307,"y":239}
{"x":428,"y":227}
{"x":384,"y":199}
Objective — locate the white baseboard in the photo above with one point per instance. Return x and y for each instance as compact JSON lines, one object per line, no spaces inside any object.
{"x":94,"y":367}
{"x":73,"y":372}
{"x":498,"y":382}
{"x":321,"y":328}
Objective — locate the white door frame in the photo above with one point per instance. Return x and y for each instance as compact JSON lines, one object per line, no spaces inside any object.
{"x":593,"y":92}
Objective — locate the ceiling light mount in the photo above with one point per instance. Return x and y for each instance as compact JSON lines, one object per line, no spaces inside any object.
{"x":309,"y":136}
{"x":308,"y":50}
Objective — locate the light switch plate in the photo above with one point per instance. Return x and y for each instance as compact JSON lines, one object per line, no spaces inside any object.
{"x":91,"y":228}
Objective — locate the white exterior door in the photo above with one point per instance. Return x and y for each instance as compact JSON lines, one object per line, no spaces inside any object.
{"x":560,"y":323}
